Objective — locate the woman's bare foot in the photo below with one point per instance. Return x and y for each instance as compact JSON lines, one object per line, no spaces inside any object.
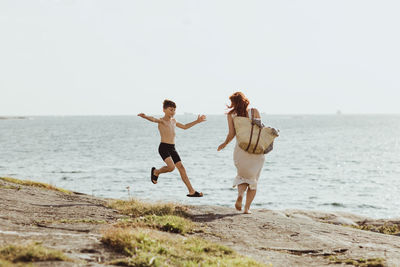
{"x":238,"y":204}
{"x":247,"y":212}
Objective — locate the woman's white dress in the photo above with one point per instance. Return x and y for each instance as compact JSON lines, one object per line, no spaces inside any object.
{"x":248,"y":167}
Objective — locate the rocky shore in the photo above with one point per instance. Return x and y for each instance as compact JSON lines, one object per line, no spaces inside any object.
{"x":73,"y":223}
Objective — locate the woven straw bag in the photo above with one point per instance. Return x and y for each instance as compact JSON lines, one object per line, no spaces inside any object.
{"x":251,"y":137}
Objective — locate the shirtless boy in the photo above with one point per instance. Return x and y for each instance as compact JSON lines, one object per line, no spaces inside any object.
{"x":166,"y":127}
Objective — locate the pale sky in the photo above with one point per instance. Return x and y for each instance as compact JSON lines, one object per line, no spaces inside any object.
{"x":88,"y":57}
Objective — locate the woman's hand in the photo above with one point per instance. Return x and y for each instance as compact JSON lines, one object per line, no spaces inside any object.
{"x":221,"y":146}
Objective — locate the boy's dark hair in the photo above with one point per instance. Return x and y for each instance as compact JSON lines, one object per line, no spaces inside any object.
{"x":168,"y":103}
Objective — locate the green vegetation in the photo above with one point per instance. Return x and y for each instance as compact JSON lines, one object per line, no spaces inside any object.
{"x":30,"y":253}
{"x":149,"y":248}
{"x":136,"y":208}
{"x":374,"y":262}
{"x":168,"y":217}
{"x":35,"y":184}
{"x":146,"y":247}
{"x":389,"y":229}
{"x":167,"y":223}
{"x":10,"y":187}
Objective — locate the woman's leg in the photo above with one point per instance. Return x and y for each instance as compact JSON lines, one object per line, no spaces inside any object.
{"x":249,"y":198}
{"x":241,"y":189}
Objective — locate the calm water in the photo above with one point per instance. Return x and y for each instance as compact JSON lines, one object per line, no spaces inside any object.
{"x":346,"y":163}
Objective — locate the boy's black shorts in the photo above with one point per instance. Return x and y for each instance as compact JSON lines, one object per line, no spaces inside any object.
{"x":168,"y":150}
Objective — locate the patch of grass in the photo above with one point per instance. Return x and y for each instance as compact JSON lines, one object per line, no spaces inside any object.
{"x":388,"y":229}
{"x":10,"y":187}
{"x":136,"y":208}
{"x":35,"y":184}
{"x":149,"y":248}
{"x":30,"y":253}
{"x":373,"y":262}
{"x":167,"y":223}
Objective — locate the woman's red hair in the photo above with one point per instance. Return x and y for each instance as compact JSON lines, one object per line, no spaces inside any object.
{"x":239,"y":104}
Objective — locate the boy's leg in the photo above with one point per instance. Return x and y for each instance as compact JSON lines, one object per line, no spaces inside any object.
{"x":249,"y":198}
{"x":169,"y":168}
{"x":241,"y":190}
{"x":184,"y":177}
{"x":164,"y":150}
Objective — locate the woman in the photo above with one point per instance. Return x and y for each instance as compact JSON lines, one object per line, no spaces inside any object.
{"x":248,"y":165}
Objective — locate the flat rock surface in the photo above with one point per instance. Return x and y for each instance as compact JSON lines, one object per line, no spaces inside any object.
{"x":53,"y":218}
{"x":295,"y":237}
{"x":73,"y":223}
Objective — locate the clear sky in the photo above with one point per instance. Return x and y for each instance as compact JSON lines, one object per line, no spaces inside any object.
{"x":71,"y":57}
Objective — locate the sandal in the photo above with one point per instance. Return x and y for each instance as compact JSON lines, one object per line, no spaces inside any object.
{"x":153,"y":177}
{"x":195,"y":194}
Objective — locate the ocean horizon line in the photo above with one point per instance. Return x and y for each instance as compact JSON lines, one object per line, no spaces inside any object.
{"x":195,"y":114}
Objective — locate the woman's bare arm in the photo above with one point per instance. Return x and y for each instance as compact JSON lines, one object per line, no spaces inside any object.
{"x":231,"y":133}
{"x":256,"y":114}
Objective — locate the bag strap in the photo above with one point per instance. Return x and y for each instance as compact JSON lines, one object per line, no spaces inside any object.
{"x":258,"y":139}
{"x":259,"y":132}
{"x":252,"y":127}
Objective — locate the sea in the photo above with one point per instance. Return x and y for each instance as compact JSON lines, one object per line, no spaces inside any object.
{"x":329,"y":163}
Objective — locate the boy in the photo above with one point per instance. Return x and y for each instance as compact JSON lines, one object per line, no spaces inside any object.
{"x":166,"y":127}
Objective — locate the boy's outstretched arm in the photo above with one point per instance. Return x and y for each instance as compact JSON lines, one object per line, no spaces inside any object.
{"x":200,"y":118}
{"x":149,"y":118}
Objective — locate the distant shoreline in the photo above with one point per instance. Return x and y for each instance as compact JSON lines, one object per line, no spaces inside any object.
{"x":12,"y":118}
{"x":263,"y":114}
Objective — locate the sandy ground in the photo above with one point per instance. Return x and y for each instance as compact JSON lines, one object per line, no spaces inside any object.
{"x":283,"y":238}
